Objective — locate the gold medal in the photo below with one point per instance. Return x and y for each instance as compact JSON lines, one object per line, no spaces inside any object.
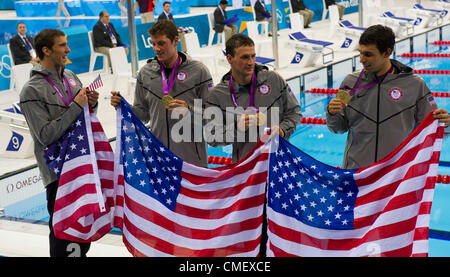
{"x":261,"y":119}
{"x":165,"y":100}
{"x":343,"y":95}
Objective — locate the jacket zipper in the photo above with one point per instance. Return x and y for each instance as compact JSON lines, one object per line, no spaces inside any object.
{"x":196,"y":150}
{"x":167,"y":128}
{"x":378,"y":120}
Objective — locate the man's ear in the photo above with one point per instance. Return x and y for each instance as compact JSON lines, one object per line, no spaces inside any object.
{"x":388,"y":53}
{"x":175,"y":40}
{"x":46,"y":51}
{"x":229,"y":57}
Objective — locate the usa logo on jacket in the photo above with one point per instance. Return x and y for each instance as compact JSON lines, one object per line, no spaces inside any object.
{"x":72,"y":82}
{"x":181,"y":76}
{"x":395,"y":94}
{"x":264,"y":89}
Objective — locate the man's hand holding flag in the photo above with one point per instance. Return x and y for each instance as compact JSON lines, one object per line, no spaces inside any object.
{"x":91,"y":90}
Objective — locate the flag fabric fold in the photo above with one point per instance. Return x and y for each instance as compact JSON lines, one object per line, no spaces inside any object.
{"x":84,"y":162}
{"x":166,"y":207}
{"x":380,"y":210}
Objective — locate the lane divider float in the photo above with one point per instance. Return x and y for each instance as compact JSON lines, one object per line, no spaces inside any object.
{"x":431,"y":71}
{"x":441,"y":42}
{"x":425,"y":55}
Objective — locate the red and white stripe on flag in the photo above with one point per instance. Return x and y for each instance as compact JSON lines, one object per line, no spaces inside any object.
{"x":84,"y":200}
{"x":218,"y":211}
{"x":392,"y":209}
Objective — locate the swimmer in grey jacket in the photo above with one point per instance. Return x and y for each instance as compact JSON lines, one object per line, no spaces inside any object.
{"x":191,"y":81}
{"x":388,"y":103}
{"x":271,"y":92}
{"x":51,"y":101}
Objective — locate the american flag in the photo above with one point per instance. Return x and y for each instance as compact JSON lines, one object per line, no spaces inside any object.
{"x":381,"y":210}
{"x":166,"y":207}
{"x":97,"y":83}
{"x":84,"y":162}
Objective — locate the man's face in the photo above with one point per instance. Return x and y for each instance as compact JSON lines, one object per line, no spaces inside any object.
{"x":164,"y":48}
{"x":59,"y":51}
{"x":243,"y":61}
{"x":22,"y":29}
{"x":371,"y":58}
{"x":223,"y":6}
{"x":167,"y":8}
{"x":105,"y":18}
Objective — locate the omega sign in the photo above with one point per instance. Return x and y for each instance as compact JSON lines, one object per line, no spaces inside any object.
{"x":20,"y":184}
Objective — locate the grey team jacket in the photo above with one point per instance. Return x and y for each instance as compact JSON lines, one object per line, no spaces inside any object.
{"x":193,"y":81}
{"x":271,"y":91}
{"x":379,"y":119}
{"x":45,"y":112}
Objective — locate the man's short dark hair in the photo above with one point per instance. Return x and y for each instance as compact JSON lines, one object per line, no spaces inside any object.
{"x":237,"y":41}
{"x":20,"y":22}
{"x":46,"y":38}
{"x":164,"y":27}
{"x":166,"y":2}
{"x":223,"y":2}
{"x":381,"y":36}
{"x":102,"y":13}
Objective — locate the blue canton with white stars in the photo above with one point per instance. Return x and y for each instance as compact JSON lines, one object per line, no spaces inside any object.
{"x":314,"y":193}
{"x":73,"y":144}
{"x":148,"y":165}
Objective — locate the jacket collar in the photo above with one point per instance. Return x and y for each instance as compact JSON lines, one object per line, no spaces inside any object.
{"x":183,"y":56}
{"x":52,"y":73}
{"x":400,"y":71}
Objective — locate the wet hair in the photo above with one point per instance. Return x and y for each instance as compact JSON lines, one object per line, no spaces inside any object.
{"x":237,"y":41}
{"x":46,"y":38}
{"x":381,"y":36}
{"x":164,"y":27}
